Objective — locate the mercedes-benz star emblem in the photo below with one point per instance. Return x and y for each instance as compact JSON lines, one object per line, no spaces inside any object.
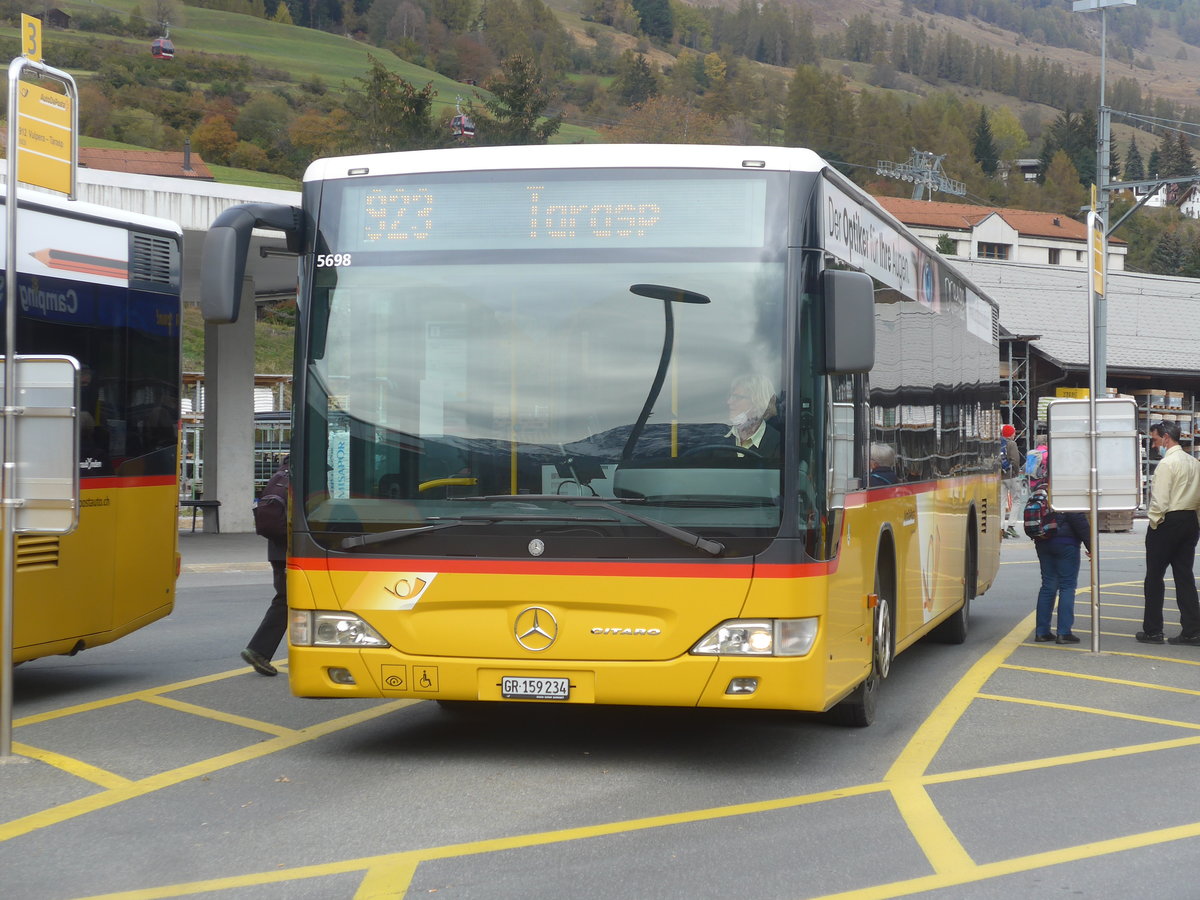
{"x":536,"y":547}
{"x":536,"y":629}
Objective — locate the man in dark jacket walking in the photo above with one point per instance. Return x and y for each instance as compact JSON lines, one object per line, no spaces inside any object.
{"x":270,"y":520}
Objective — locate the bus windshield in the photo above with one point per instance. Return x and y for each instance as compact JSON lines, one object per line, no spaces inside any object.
{"x":610,"y":335}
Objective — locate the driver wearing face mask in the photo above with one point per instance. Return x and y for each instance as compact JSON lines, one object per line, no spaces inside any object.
{"x":751,"y":403}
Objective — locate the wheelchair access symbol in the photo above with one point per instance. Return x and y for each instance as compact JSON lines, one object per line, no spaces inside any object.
{"x":425,"y":678}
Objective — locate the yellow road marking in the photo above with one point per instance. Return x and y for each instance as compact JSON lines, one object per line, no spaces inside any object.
{"x":1091,"y":710}
{"x":225,"y":567}
{"x":232,"y":719}
{"x":396,"y":862}
{"x":125,"y":698}
{"x":915,"y":758}
{"x":121,"y":793}
{"x":384,"y":882}
{"x":939,"y":844}
{"x":1102,"y":678}
{"x":1154,"y":657}
{"x":1054,"y":762}
{"x":394,"y":865}
{"x":1020,"y":864}
{"x":389,"y":875}
{"x":76,"y":767}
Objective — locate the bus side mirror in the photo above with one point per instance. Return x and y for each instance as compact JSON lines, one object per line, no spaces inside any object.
{"x":226,"y":246}
{"x":849,"y":321}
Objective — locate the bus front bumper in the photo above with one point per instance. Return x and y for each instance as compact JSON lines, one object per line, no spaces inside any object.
{"x":796,"y":683}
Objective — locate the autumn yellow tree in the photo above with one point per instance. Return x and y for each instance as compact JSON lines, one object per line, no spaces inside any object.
{"x":215,"y":139}
{"x":1062,"y":191}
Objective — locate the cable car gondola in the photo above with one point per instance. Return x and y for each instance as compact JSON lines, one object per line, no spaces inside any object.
{"x":461,"y":125}
{"x":162,"y":48}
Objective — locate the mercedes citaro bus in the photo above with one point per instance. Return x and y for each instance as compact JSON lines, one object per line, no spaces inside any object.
{"x":661,"y":425}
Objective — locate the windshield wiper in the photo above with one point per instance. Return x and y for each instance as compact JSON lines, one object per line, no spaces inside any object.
{"x":712,"y":548}
{"x":382,"y":537}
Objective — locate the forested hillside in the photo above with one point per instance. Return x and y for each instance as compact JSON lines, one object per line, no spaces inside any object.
{"x":267,"y":85}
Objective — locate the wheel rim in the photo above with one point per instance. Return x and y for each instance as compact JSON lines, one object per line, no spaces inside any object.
{"x":883,"y":637}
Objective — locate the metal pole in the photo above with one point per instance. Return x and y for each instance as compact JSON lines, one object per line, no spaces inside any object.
{"x":1093,"y":470}
{"x":8,"y":471}
{"x":1103,"y":158}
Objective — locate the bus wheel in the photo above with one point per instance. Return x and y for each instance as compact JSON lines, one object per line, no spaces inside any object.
{"x":858,"y":709}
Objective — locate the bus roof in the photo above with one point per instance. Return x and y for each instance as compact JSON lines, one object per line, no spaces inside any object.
{"x":83,"y":210}
{"x":568,"y":156}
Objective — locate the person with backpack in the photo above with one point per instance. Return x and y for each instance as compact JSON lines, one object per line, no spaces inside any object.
{"x":1056,"y":538}
{"x":1171,"y":538}
{"x":1010,"y":468}
{"x":271,"y":521}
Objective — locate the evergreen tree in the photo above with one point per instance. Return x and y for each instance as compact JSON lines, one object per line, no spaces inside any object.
{"x":984,"y":147}
{"x":1168,"y":255}
{"x":1183,"y":156}
{"x":519,"y":99}
{"x":1074,"y":135}
{"x":657,"y":19}
{"x":635,"y":82}
{"x":1191,"y":261}
{"x":388,"y":113}
{"x":1135,"y":169}
{"x":1170,"y":162}
{"x":1153,"y":164}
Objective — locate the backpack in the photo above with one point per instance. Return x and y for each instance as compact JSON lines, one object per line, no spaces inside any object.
{"x":270,"y":512}
{"x":1005,"y":462}
{"x":1035,"y":464}
{"x":1040,"y":522}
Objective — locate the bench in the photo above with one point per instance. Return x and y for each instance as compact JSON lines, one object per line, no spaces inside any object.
{"x":206,"y":505}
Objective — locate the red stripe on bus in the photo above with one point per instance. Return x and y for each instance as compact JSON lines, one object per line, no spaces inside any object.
{"x":548,"y":567}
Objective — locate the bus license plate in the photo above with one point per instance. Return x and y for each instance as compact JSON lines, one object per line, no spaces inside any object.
{"x":520,"y":688}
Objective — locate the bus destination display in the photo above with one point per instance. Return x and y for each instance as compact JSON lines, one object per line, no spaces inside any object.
{"x":541,"y":213}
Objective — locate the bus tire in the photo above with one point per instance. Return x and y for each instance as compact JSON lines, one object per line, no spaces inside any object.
{"x":858,"y":709}
{"x":954,"y":630}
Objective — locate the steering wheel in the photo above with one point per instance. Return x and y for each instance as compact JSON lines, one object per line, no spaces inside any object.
{"x":727,"y":448}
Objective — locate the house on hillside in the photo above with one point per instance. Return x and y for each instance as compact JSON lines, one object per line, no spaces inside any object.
{"x":1017,"y":235}
{"x":53,"y":18}
{"x":167,"y":163}
{"x":1189,"y":201}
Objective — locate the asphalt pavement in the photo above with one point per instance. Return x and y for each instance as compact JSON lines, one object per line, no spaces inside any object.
{"x":162,"y":766}
{"x":203,"y":552}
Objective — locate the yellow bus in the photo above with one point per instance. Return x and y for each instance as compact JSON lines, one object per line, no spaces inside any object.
{"x":103,"y":286}
{"x":661,"y":425}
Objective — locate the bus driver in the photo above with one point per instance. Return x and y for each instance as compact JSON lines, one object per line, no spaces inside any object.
{"x":751,"y":404}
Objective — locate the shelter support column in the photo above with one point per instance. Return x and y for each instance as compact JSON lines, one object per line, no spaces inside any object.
{"x":229,"y":417}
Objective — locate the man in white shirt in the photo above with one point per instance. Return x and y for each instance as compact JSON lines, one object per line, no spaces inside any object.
{"x":1171,"y":538}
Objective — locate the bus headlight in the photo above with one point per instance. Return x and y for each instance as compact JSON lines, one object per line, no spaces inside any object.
{"x":324,"y":628}
{"x":765,"y":637}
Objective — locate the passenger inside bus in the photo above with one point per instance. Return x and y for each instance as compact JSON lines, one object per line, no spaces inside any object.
{"x":883,"y":465}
